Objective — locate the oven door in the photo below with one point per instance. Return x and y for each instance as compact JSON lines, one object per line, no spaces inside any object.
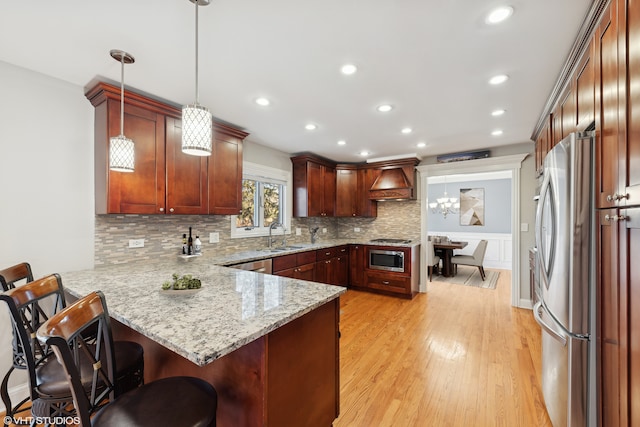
{"x":386,"y":260}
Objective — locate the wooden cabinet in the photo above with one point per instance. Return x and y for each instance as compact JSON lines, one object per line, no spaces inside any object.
{"x":609,"y":137}
{"x":352,"y":191}
{"x":225,"y":171}
{"x":142,"y":191}
{"x":314,"y":186}
{"x":630,"y":173}
{"x":404,"y":284}
{"x":298,"y":266}
{"x":543,"y":144}
{"x":357,"y":263}
{"x":186,"y":181}
{"x":165,"y":180}
{"x":584,"y":87}
{"x":332,"y":265}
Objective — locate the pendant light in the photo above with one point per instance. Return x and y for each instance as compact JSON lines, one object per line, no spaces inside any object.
{"x":196,"y":119}
{"x":121,"y":152}
{"x":445,"y":204}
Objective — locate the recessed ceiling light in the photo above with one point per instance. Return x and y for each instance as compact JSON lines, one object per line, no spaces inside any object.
{"x":364,"y":153}
{"x":263,"y":102}
{"x":342,"y":142}
{"x":406,"y":130}
{"x":500,"y":78}
{"x":496,"y":132}
{"x":384,"y":108}
{"x":310,"y":126}
{"x":348,"y":69}
{"x":421,"y":145}
{"x":498,"y":15}
{"x":496,"y":113}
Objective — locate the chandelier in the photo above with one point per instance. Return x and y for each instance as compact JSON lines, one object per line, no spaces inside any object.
{"x":445,"y":204}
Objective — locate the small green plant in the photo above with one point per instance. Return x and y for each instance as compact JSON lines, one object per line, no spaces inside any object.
{"x":181,"y":283}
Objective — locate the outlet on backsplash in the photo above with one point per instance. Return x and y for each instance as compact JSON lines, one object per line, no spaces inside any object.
{"x":214,"y":237}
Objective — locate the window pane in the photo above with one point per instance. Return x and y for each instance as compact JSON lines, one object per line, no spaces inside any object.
{"x":247,"y":217}
{"x":271,"y":203}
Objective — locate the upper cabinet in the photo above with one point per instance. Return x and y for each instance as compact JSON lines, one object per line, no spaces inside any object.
{"x":352,"y":191}
{"x":165,"y":180}
{"x":314,"y":186}
{"x":225,"y":171}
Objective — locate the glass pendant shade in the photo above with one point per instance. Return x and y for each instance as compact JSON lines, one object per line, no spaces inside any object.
{"x":445,"y":204}
{"x":121,"y":148}
{"x":196,"y":130}
{"x":196,"y":119}
{"x":121,"y":154}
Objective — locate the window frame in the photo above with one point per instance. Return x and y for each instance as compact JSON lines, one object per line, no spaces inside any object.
{"x":264,"y":173}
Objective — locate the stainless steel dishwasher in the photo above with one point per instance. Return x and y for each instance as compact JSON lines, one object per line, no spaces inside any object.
{"x":260,"y":266}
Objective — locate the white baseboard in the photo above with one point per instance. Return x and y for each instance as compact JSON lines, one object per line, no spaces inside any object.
{"x":17,"y":394}
{"x":525,"y":303}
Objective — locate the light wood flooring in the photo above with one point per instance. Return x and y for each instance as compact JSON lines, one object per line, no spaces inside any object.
{"x":455,"y":356}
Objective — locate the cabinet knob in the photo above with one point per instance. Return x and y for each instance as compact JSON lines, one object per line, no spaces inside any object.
{"x":615,"y":218}
{"x":161,"y":209}
{"x":385,"y":282}
{"x":616,"y":197}
{"x":170,"y":209}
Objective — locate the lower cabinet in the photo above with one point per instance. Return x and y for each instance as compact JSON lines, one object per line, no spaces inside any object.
{"x":298,"y":266}
{"x":347,"y":266}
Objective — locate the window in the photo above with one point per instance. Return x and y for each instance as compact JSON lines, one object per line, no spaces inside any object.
{"x":264,"y":201}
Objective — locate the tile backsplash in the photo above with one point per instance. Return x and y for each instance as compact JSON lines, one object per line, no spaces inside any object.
{"x":162,"y":234}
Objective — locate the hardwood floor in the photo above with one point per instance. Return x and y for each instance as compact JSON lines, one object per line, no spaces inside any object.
{"x":455,"y":356}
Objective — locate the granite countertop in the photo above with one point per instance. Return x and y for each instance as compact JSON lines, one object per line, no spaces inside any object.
{"x":258,"y":254}
{"x":233,"y":307}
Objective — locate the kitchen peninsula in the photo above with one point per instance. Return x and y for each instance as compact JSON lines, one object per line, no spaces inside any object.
{"x":268,"y":344}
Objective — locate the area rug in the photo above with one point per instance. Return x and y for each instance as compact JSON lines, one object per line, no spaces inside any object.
{"x":470,"y":276}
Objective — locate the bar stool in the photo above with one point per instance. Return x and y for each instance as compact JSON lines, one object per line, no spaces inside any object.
{"x":8,"y":279}
{"x":31,"y":305}
{"x":174,"y":401}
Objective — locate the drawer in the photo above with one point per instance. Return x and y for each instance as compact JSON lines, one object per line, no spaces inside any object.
{"x":323,"y":254}
{"x":284,"y":262}
{"x":388,"y":282}
{"x":307,"y":257}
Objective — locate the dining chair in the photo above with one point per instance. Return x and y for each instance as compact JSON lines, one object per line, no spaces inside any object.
{"x":476,"y":259}
{"x":433,"y":260}
{"x":174,"y":401}
{"x":9,"y":277}
{"x":31,"y":305}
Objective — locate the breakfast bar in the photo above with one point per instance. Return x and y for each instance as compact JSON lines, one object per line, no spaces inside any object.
{"x":268,"y":344}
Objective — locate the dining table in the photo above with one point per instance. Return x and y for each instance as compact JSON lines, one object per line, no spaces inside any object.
{"x":447,"y":248}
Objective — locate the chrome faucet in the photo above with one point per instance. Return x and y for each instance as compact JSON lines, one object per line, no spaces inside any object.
{"x":273,"y":225}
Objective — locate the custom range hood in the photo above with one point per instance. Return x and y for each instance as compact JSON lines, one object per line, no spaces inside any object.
{"x":395,"y":180}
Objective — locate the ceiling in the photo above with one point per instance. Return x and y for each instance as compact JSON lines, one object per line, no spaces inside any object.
{"x":430,"y":59}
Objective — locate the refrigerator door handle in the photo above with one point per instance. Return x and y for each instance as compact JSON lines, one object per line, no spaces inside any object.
{"x":537,"y":314}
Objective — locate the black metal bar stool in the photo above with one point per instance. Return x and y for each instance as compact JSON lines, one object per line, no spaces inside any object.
{"x":174,"y":401}
{"x":31,"y":305}
{"x":9,"y":277}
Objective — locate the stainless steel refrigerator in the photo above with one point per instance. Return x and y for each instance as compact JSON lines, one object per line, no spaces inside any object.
{"x":565,"y":237}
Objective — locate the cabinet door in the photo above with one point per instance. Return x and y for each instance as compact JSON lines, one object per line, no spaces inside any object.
{"x":306,"y":272}
{"x":346,"y":192}
{"x":341,"y":270}
{"x":568,"y":109}
{"x":608,"y":298}
{"x":315,"y":189}
{"x":329,"y":191}
{"x":356,"y":265}
{"x":631,"y":173}
{"x":323,"y":271}
{"x":225,"y":176}
{"x":607,"y":113}
{"x":364,"y":206}
{"x":585,"y":88}
{"x":186,"y":175}
{"x":143,"y":190}
{"x":630,"y":283}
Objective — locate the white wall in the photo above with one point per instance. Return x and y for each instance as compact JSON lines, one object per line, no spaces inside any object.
{"x":46,"y":180}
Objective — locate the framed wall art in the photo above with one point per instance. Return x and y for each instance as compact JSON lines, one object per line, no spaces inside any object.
{"x":472,"y":206}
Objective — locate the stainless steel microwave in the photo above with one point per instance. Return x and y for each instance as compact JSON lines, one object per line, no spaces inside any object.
{"x":380,"y":259}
